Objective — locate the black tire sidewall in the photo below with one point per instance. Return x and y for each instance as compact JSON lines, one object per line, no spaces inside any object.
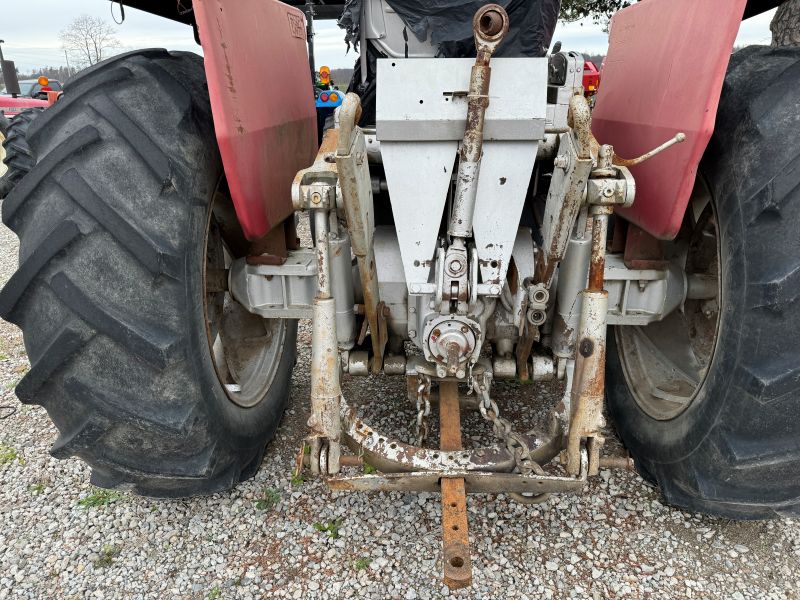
{"x":243,"y":427}
{"x":671,"y":440}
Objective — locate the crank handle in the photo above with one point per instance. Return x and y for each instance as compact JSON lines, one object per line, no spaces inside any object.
{"x":624,"y":162}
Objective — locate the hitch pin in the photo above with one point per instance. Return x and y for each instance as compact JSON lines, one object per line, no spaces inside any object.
{"x":629,"y":162}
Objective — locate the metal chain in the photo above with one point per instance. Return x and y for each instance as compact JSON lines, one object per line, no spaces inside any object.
{"x":423,"y":408}
{"x":515,"y":443}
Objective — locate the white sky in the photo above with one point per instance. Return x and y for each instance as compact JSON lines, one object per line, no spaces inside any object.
{"x":31,"y":36}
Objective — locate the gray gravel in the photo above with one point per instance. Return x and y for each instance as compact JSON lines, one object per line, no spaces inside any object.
{"x":616,"y":540}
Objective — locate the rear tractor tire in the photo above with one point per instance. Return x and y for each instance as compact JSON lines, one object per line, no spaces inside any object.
{"x":708,"y":400}
{"x":149,"y":370}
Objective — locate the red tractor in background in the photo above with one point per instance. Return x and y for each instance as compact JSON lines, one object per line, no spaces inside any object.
{"x":591,"y":79}
{"x":473,"y":220}
{"x":17,"y":111}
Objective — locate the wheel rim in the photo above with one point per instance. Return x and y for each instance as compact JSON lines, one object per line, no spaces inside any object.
{"x":665,"y":363}
{"x":245,"y":348}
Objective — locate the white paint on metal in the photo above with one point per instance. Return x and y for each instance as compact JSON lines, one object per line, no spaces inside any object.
{"x":276,"y":291}
{"x":419,"y":128}
{"x":506,"y":171}
{"x":425,"y":99}
{"x":418,"y":175}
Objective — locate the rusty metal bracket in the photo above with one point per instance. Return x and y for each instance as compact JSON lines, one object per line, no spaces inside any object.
{"x":455,"y":533}
{"x":390,"y":455}
{"x":475,"y":482}
{"x":356,"y":190}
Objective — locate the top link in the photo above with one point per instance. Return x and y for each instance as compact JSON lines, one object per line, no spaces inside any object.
{"x":490,"y":25}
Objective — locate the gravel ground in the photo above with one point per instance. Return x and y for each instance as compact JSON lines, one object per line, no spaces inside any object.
{"x":60,"y":538}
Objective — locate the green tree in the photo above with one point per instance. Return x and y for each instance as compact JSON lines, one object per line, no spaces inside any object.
{"x":574,"y":10}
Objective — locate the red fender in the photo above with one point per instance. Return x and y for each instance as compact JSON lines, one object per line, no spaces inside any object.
{"x":663,"y":74}
{"x":262,"y":98}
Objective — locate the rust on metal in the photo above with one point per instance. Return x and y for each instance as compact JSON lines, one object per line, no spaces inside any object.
{"x":523,"y":351}
{"x":476,"y":482}
{"x":597,"y":263}
{"x":588,"y":390}
{"x":356,"y":186}
{"x":455,"y":532}
{"x":325,"y":422}
{"x":642,"y":250}
{"x":490,"y":24}
{"x":624,"y":463}
{"x":630,"y":162}
{"x":348,"y":460}
{"x":391,"y":455}
{"x":566,"y":195}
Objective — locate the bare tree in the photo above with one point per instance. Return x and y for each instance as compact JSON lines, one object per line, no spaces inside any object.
{"x":88,"y":40}
{"x":785,"y":25}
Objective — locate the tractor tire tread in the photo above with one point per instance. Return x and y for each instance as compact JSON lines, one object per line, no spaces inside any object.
{"x":739,"y":456}
{"x":103,"y":289}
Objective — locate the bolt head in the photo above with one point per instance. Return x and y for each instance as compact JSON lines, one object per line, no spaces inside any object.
{"x":316,"y":198}
{"x":412,"y":333}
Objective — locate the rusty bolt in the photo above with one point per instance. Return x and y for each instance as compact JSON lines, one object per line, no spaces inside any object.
{"x":464,"y":329}
{"x":316,"y":198}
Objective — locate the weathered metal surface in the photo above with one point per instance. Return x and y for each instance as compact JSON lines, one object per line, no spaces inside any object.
{"x":634,"y":115}
{"x":313,"y":187}
{"x":276,"y":291}
{"x":326,"y":395}
{"x":475,"y":482}
{"x":419,"y":134}
{"x":265,"y":132}
{"x":597,"y":260}
{"x":624,"y":463}
{"x":588,"y":391}
{"x":523,"y":350}
{"x":455,"y":532}
{"x":564,"y":200}
{"x":490,"y":26}
{"x":642,"y":250}
{"x":391,"y":455}
{"x":442,"y":84}
{"x":342,"y":288}
{"x":356,"y":186}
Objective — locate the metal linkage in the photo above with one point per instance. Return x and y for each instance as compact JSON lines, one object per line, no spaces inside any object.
{"x":490,"y":25}
{"x":586,"y":418}
{"x":356,"y":188}
{"x":423,"y":408}
{"x":516,"y":443}
{"x":455,"y":535}
{"x":326,"y":391}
